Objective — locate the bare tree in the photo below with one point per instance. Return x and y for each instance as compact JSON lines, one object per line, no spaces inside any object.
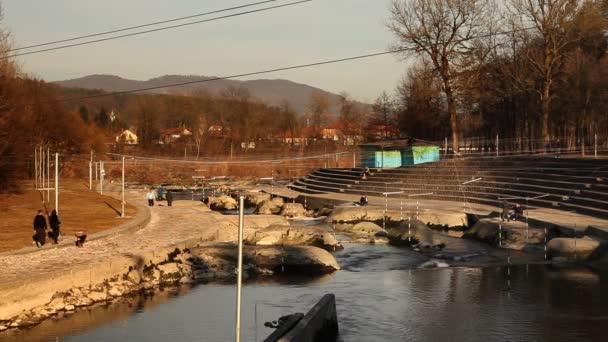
{"x":544,"y":30}
{"x":319,"y":110}
{"x":450,"y":33}
{"x":383,"y":109}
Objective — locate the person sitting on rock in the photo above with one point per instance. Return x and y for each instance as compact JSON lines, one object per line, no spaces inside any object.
{"x":363,"y":200}
{"x":518,"y":211}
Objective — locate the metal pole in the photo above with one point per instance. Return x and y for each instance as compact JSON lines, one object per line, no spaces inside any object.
{"x":500,"y":235}
{"x":48,"y":174}
{"x":36,"y":168}
{"x":42,"y":171}
{"x":101,"y":174}
{"x":91,"y":172}
{"x":239,"y":279}
{"x":185,"y":153}
{"x":446,"y":146}
{"x":497,"y":145}
{"x":96,"y":171}
{"x":57,"y":183}
{"x":385,"y":210}
{"x":122,"y":212}
{"x":354,"y":159}
{"x":595,"y":144}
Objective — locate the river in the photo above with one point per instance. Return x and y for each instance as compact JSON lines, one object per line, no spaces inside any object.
{"x":381,"y":296}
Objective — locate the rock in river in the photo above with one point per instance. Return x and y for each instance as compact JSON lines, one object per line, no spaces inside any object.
{"x":221,"y":259}
{"x":576,"y":249}
{"x":288,"y":235}
{"x":411,"y":233}
{"x":222,"y":203}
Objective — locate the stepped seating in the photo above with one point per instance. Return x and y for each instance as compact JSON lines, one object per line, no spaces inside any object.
{"x":576,"y":185}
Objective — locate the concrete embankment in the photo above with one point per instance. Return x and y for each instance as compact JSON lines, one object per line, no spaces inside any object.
{"x":32,"y":301}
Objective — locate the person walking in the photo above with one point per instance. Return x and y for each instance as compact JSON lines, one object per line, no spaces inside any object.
{"x":169,"y":197}
{"x":54,"y":223}
{"x":39,"y":236}
{"x":151,"y":196}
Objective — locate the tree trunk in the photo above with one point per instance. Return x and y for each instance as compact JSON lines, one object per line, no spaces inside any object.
{"x":453,"y":118}
{"x":545,"y":100}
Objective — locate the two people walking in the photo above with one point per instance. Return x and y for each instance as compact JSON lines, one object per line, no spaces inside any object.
{"x":40,"y":227}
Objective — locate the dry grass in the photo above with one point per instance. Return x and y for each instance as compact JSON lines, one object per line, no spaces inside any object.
{"x":80,"y":210}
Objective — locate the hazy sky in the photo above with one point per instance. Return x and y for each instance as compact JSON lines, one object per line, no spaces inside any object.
{"x":309,"y":32}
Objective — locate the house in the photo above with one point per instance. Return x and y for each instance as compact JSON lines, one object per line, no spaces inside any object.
{"x":127,"y":137}
{"x":172,"y":135}
{"x":216,"y":131}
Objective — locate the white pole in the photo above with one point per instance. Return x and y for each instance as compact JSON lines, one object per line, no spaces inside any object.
{"x":96,"y":171}
{"x":497,"y":145}
{"x":385,"y":210}
{"x":91,"y":172}
{"x":57,"y":183}
{"x":354,"y":159}
{"x":101,"y":174}
{"x":595,"y":144}
{"x":48,"y":174}
{"x":122,"y":212}
{"x":239,"y":279}
{"x":35,"y":168}
{"x":42,"y":172}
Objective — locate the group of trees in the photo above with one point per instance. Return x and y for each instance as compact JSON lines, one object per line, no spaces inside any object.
{"x":533,"y":71}
{"x":31,"y":116}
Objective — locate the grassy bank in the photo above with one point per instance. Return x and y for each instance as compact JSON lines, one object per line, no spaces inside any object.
{"x":80,"y":210}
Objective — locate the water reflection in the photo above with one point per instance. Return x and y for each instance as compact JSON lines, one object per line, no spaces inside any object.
{"x":380,"y":297}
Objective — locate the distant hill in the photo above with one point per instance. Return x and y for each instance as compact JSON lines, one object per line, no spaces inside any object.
{"x":272,"y":92}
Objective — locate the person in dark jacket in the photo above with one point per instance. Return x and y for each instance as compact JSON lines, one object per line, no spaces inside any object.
{"x":54,"y":223}
{"x":169,"y":197}
{"x":39,"y":236}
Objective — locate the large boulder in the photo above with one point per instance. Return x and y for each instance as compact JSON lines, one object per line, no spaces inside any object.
{"x":222,"y":203}
{"x":254,"y":199}
{"x":293,"y":210}
{"x":294,"y":236}
{"x":363,"y":228}
{"x":411,"y":233}
{"x":514,"y":235}
{"x":576,"y":249}
{"x":270,"y":207}
{"x":356,"y":214}
{"x":219,"y":261}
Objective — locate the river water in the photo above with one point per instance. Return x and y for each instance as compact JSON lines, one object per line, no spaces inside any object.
{"x":381,"y":296}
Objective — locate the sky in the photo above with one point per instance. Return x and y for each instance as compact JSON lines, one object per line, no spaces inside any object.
{"x":305,"y":33}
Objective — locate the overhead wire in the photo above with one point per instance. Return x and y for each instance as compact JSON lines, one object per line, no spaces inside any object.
{"x":137,"y":26}
{"x":155,"y":30}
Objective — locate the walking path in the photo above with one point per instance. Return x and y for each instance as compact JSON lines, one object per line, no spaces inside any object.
{"x":167,"y":226}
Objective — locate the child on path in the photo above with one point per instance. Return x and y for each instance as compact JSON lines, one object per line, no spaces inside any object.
{"x":151,"y":196}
